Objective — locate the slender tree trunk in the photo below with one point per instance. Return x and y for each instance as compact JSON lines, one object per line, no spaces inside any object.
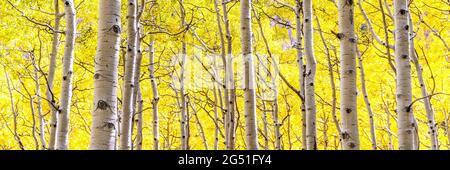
{"x":39,"y":106}
{"x":366,"y":100}
{"x":139,"y":120}
{"x":229,"y":81}
{"x":348,"y":41}
{"x":432,"y":129}
{"x":332,"y":83}
{"x":403,"y":76}
{"x":301,"y":69}
{"x":155,"y":94}
{"x":104,"y":115}
{"x":184,"y":119}
{"x":128,"y":79}
{"x":62,"y":132}
{"x":310,"y":101}
{"x":249,"y":78}
{"x":14,"y":112}
{"x":51,"y":75}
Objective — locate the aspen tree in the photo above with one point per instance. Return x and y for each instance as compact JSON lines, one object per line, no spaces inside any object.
{"x":301,"y":68}
{"x":403,"y":76}
{"x":249,"y":78}
{"x":51,"y":75}
{"x":432,"y":129}
{"x":155,"y":94}
{"x":104,"y":115}
{"x":348,"y":93}
{"x":183,"y":108}
{"x":62,"y":133}
{"x":362,"y":76}
{"x":230,"y":84}
{"x":39,"y":104}
{"x":128,"y":79}
{"x":310,"y":73}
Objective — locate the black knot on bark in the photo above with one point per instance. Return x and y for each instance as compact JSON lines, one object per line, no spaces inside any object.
{"x":306,"y":20}
{"x":349,"y":2}
{"x":67,"y":3}
{"x":311,"y":84}
{"x":96,"y":76}
{"x":116,"y":28}
{"x":340,"y":35}
{"x":64,"y":77}
{"x":102,"y":105}
{"x":403,"y":11}
{"x":406,"y":27}
{"x":348,"y":110}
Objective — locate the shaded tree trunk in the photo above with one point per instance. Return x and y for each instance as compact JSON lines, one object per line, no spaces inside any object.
{"x":128,"y":79}
{"x":51,"y":75}
{"x":155,"y":94}
{"x":310,"y":101}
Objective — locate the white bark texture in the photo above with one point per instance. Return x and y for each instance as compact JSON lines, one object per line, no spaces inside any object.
{"x":249,"y":78}
{"x":155,"y":95}
{"x":348,"y":93}
{"x":310,"y":101}
{"x":62,"y":132}
{"x":128,"y":79}
{"x":403,"y":76}
{"x":230,"y":84}
{"x":432,"y":129}
{"x":104,"y":115}
{"x":301,"y":68}
{"x":184,"y":125}
{"x":51,"y":76}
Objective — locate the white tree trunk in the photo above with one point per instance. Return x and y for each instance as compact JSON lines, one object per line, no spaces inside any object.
{"x":62,"y":132}
{"x":301,"y":68}
{"x":128,"y":79}
{"x":184,"y":117}
{"x":155,"y":95}
{"x":432,"y":129}
{"x":403,"y":76}
{"x":230,"y":84}
{"x":373,"y":137}
{"x":139,"y":120}
{"x":310,"y":101}
{"x":348,"y":75}
{"x":104,"y":115}
{"x":51,"y":75}
{"x":249,"y":78}
{"x":39,"y":105}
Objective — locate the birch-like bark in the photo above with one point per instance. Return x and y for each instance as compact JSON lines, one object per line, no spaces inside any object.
{"x":249,"y":78}
{"x":403,"y":76}
{"x":139,"y":120}
{"x":310,"y":101}
{"x":62,"y":132}
{"x":373,"y":137}
{"x":184,"y":119}
{"x":332,"y":83}
{"x":39,"y":106}
{"x":128,"y":79}
{"x":50,"y":77}
{"x":226,"y":96}
{"x":155,"y":94}
{"x":348,"y":93}
{"x":104,"y":115}
{"x":230,"y":84}
{"x":432,"y":129}
{"x":301,"y":68}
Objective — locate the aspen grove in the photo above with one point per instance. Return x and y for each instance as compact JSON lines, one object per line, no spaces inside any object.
{"x":225,"y":75}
